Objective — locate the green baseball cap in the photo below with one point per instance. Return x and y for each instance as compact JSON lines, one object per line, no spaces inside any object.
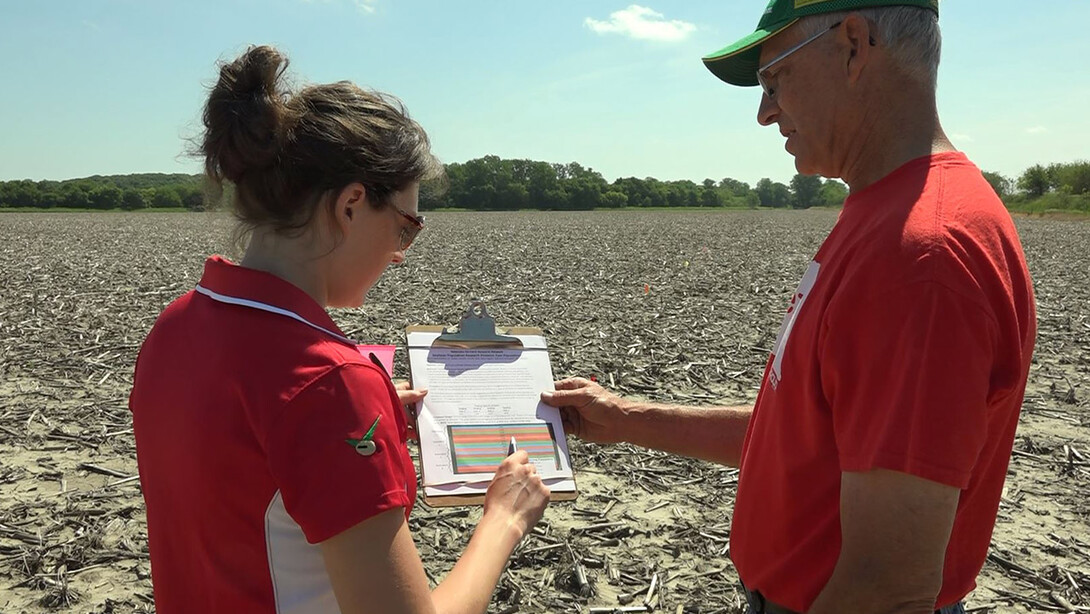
{"x":737,"y":63}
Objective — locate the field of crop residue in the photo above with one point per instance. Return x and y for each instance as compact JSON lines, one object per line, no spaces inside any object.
{"x":679,"y":307}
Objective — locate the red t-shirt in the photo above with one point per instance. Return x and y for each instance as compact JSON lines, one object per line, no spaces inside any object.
{"x":247,"y":426}
{"x":906,"y":347}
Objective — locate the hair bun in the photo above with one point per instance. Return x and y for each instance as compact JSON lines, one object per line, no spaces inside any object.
{"x":244,"y":114}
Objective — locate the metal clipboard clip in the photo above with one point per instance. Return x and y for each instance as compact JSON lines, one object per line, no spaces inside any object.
{"x":476,"y":330}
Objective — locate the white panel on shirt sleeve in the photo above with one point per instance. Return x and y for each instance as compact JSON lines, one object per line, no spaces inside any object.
{"x":299,"y":577}
{"x":797,"y":300}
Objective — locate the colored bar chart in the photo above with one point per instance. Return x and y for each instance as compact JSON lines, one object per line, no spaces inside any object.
{"x":480,"y":448}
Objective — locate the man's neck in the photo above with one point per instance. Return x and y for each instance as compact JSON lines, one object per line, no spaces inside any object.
{"x":903,"y":133}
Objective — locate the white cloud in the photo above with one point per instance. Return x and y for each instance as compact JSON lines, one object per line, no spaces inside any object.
{"x":1036,"y":130}
{"x":364,"y":6}
{"x":642,"y":23}
{"x":963,"y":138}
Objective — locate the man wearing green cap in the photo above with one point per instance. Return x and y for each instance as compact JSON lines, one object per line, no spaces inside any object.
{"x":873,"y":460}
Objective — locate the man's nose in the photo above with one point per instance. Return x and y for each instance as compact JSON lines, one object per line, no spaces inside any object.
{"x":768,"y":110}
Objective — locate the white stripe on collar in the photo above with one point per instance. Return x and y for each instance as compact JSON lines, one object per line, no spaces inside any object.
{"x":232,"y":300}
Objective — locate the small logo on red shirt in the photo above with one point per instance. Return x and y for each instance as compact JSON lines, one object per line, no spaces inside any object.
{"x":798,"y":299}
{"x":366,"y":445}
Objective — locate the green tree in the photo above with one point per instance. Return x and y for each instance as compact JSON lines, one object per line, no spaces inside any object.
{"x":541,"y":180}
{"x":49,"y":194}
{"x":999,"y":183}
{"x":709,"y":197}
{"x":513,"y":196}
{"x":557,"y":199}
{"x":132,"y":199}
{"x":584,"y":193}
{"x":637,"y":191}
{"x":614,"y":199}
{"x":833,"y":193}
{"x":734,"y":187}
{"x":456,"y":185}
{"x":166,"y":198}
{"x":483,"y":196}
{"x":773,"y":193}
{"x":806,"y":190}
{"x":106,"y":197}
{"x":682,"y":193}
{"x":1034,"y":181}
{"x":192,"y":197}
{"x":74,"y":196}
{"x":734,"y":193}
{"x":1070,"y":178}
{"x":20,"y":193}
{"x":480,"y":179}
{"x":583,"y":185}
{"x":434,"y":193}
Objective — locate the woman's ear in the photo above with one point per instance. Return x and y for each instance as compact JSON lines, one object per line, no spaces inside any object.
{"x":350,"y":203}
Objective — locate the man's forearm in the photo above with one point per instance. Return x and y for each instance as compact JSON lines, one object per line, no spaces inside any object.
{"x":895,"y":529}
{"x":709,"y":433}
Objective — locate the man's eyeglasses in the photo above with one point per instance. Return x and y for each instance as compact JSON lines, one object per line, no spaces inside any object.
{"x":408,"y":233}
{"x":762,"y":72}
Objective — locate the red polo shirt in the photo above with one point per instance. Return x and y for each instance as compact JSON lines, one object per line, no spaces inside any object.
{"x":906,"y":347}
{"x":248,"y":405}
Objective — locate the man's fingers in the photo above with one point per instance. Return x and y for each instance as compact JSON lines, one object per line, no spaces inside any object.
{"x":558,"y":398}
{"x":402,"y":385}
{"x":572,"y":383}
{"x":555,"y":398}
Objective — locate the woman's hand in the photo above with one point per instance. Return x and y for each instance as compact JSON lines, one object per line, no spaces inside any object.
{"x":408,"y":399}
{"x":517,"y":494}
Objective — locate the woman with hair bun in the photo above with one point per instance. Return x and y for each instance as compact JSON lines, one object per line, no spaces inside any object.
{"x":272,"y":453}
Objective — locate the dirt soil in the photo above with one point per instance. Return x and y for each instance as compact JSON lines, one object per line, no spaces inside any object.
{"x":676,"y":307}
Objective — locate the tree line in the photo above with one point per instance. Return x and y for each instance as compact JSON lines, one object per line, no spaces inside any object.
{"x":1043,"y":188}
{"x":138,"y":191}
{"x":494,"y":184}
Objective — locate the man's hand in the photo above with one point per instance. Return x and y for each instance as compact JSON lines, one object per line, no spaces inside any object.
{"x":595,"y":414}
{"x":409,"y":398}
{"x":589,"y":411}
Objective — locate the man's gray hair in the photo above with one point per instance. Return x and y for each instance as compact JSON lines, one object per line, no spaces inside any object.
{"x":910,"y":33}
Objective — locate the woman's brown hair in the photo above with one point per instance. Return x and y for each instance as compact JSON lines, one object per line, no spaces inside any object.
{"x":286,"y":151}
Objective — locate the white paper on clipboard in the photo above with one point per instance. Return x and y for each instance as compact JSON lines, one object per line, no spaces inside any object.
{"x":478,"y":400}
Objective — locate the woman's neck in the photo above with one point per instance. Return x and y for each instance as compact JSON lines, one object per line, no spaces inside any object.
{"x":290,"y":259}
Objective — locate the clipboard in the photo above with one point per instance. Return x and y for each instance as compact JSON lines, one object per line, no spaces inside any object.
{"x":477,"y":330}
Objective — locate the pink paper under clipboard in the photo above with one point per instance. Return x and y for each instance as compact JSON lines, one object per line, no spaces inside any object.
{"x":384,"y":354}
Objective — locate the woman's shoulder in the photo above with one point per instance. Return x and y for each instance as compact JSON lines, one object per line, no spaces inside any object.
{"x":299,"y":362}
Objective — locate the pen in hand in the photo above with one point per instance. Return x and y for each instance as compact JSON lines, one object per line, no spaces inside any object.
{"x":512,"y":447}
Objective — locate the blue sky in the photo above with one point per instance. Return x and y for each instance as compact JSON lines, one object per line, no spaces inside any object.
{"x":116,"y":86}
